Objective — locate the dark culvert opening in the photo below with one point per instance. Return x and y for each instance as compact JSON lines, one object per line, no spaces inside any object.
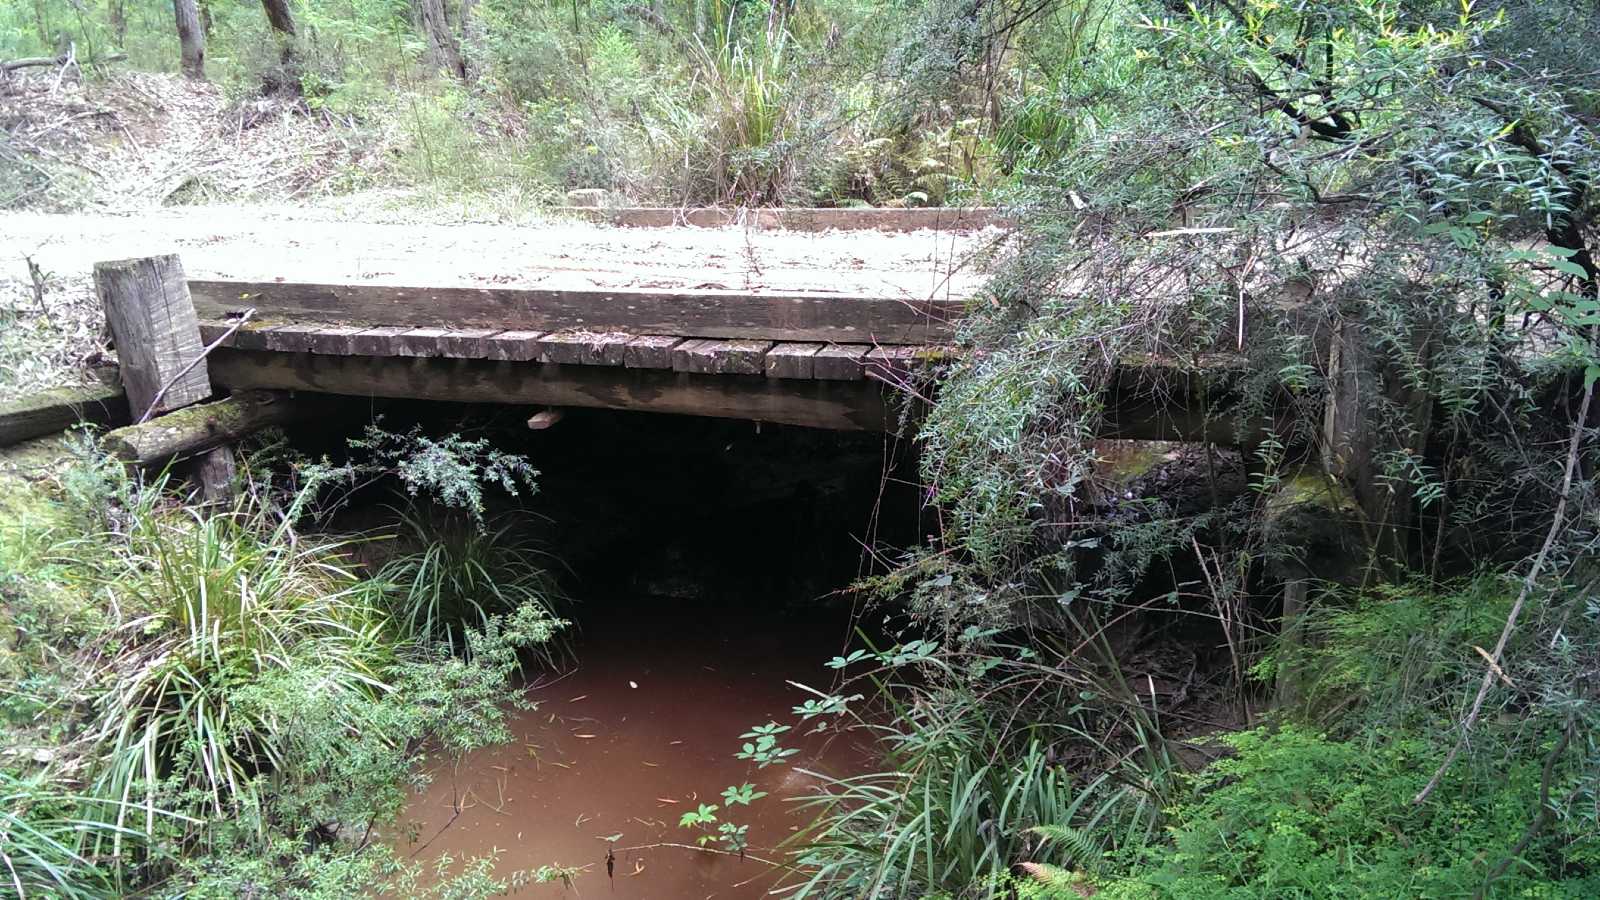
{"x":708,"y":564}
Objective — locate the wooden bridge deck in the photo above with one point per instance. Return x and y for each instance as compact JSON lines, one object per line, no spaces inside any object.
{"x":757,"y":320}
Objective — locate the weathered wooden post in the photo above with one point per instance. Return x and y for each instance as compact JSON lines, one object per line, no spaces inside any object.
{"x":157,"y":336}
{"x":1313,"y":525}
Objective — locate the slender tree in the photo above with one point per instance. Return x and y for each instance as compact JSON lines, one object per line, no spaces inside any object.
{"x":444,"y":48}
{"x":119,"y":22}
{"x":282,"y":22}
{"x":191,"y":38}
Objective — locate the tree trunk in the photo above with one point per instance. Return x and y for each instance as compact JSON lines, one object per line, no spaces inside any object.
{"x":282,"y":22}
{"x":206,"y":22}
{"x":119,"y":22}
{"x":39,"y":23}
{"x":472,"y":38}
{"x":444,"y":51}
{"x":191,"y":39}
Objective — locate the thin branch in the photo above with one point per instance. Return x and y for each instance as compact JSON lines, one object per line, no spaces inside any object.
{"x":1546,"y":813}
{"x":1556,"y":523}
{"x":156,"y":401}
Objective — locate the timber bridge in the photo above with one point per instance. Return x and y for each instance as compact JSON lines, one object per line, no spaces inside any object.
{"x":814,"y":318}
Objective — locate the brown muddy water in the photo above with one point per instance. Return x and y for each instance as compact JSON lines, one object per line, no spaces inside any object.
{"x":703,"y":557}
{"x":645,"y":728}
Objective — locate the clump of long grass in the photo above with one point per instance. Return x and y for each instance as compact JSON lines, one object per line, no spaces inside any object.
{"x":209,"y":603}
{"x":457,"y":573}
{"x":973,"y":780}
{"x":39,"y":840}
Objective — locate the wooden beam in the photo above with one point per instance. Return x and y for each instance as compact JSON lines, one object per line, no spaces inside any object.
{"x":708,"y":314}
{"x":156,"y":331}
{"x":200,"y":427}
{"x":705,"y":357}
{"x":57,"y":409}
{"x":650,"y":351}
{"x":792,"y":361}
{"x":840,"y":362}
{"x":840,"y":406}
{"x":583,"y":348}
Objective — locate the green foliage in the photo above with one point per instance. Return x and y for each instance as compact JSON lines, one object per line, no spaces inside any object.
{"x":452,"y":470}
{"x":1294,"y":814}
{"x":969,"y":784}
{"x":235,"y":706}
{"x":40,"y":833}
{"x":212,"y":603}
{"x":461,"y":574}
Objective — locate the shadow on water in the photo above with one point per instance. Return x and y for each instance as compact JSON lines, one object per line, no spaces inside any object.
{"x":707,"y":559}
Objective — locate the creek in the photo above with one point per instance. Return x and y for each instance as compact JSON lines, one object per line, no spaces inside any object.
{"x":706,"y":566}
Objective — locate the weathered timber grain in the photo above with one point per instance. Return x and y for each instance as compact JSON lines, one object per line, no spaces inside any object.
{"x":57,"y":409}
{"x":466,"y":343}
{"x":378,"y":341}
{"x":421,"y":342}
{"x":740,"y":357}
{"x":512,"y":346}
{"x":792,"y":360}
{"x":650,"y":351}
{"x":583,"y":348}
{"x":214,"y":473}
{"x":896,"y":364}
{"x":252,"y":336}
{"x":156,"y":331}
{"x":839,"y":362}
{"x":694,"y":355}
{"x":289,"y":338}
{"x":704,"y":313}
{"x":201,"y":427}
{"x":857,"y":406}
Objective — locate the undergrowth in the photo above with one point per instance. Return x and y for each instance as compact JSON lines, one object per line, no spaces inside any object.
{"x":217,"y":703}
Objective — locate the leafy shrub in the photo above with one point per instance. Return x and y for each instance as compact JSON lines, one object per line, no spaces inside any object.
{"x":1295,"y":814}
{"x":460,"y":574}
{"x":212,"y":603}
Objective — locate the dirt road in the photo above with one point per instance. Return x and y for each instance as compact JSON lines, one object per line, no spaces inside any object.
{"x":42,"y":344}
{"x":294,"y":245}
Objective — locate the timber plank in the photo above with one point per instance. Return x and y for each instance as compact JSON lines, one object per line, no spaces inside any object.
{"x":710,"y":357}
{"x":650,"y":351}
{"x":742,"y":315}
{"x":57,"y":409}
{"x":420,"y":342}
{"x":583,"y":348}
{"x":740,"y":357}
{"x":466,"y":343}
{"x":512,"y":346}
{"x":858,"y":406}
{"x":695,"y":355}
{"x":896,"y":364}
{"x":332,"y":340}
{"x":792,"y":361}
{"x":156,"y":331}
{"x":378,"y":341}
{"x":839,"y":362}
{"x":251,"y":336}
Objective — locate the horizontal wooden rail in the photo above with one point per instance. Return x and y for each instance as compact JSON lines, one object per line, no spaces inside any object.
{"x":58,"y":409}
{"x":836,"y":405}
{"x":704,"y":314}
{"x":808,"y":361}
